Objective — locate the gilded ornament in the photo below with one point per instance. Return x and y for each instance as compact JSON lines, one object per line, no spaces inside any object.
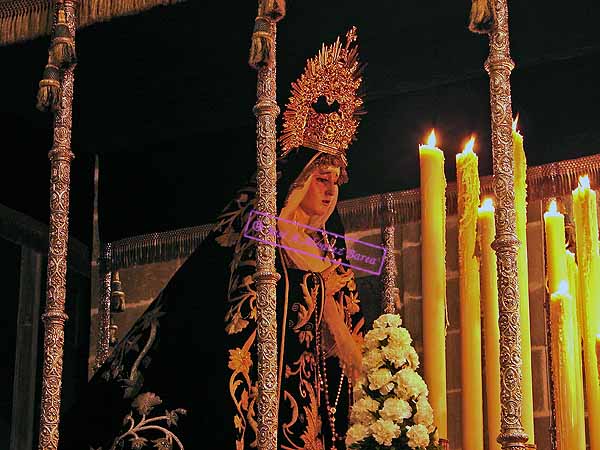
{"x":323,"y":111}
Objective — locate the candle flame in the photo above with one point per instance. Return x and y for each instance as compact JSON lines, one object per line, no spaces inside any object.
{"x":469,"y":145}
{"x":515,"y":122}
{"x":553,"y":208}
{"x":431,"y":141}
{"x":487,"y":205}
{"x":584,"y":182}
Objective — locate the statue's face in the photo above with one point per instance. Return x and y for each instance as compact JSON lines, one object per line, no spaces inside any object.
{"x":322,"y":192}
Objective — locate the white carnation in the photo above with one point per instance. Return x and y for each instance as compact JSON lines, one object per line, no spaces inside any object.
{"x":373,"y":359}
{"x":379,"y":378}
{"x":357,"y":433}
{"x":396,"y":410}
{"x":387,"y":388}
{"x":424,"y":415}
{"x":409,"y":384}
{"x":396,"y":354}
{"x":384,"y":431}
{"x":363,"y":411}
{"x":417,"y":436}
{"x":399,"y":336}
{"x":374,"y":337}
{"x":388,"y":320}
{"x":413,"y":358}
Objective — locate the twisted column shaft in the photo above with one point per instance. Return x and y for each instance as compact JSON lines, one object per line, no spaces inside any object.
{"x":390,"y":272}
{"x":54,"y":317}
{"x":266,"y":111}
{"x":499,"y":66}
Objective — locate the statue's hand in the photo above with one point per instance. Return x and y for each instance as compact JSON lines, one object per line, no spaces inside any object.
{"x":335,"y":281}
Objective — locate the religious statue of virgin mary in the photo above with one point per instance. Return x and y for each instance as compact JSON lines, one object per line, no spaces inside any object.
{"x":185,"y":376}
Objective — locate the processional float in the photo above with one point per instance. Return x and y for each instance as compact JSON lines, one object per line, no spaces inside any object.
{"x":56,"y":94}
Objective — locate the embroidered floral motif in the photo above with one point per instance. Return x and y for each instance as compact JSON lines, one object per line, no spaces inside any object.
{"x":352,"y":302}
{"x":242,"y":390}
{"x":143,"y":404}
{"x":242,"y":303}
{"x":144,"y":331}
{"x":306,"y":310}
{"x":239,"y":360}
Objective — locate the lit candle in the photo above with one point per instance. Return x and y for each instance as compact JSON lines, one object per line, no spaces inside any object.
{"x":486,"y":231}
{"x":520,"y":174}
{"x":556,"y":258}
{"x":577,"y":320}
{"x":573,"y":273}
{"x":586,"y":226}
{"x":598,"y":352}
{"x":566,"y":363}
{"x":467,"y":182}
{"x":433,"y":265}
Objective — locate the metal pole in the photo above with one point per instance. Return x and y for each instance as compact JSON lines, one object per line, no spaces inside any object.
{"x":266,"y":276}
{"x":390,"y":272}
{"x":499,"y":66}
{"x":54,"y":317}
{"x":103,"y":317}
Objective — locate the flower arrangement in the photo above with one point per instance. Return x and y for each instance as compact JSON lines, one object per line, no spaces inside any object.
{"x":391,"y":410}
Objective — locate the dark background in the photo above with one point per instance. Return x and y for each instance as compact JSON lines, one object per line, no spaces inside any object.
{"x":165,"y":99}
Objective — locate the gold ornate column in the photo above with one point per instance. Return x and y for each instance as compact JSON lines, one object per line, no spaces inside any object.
{"x":262,"y":57}
{"x":499,"y":66}
{"x":103,"y":337}
{"x":54,"y":316}
{"x":390,"y":272}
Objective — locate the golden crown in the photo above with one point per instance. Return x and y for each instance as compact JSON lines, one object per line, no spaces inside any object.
{"x":323,"y":111}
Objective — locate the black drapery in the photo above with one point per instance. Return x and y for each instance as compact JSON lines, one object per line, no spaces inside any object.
{"x":179,"y":351}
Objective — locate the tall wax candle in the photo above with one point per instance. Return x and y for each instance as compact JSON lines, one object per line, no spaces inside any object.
{"x":520,"y":185}
{"x":556,"y":258}
{"x":467,"y":182}
{"x":567,"y":370}
{"x":598,"y":352}
{"x":433,"y":274}
{"x":586,"y":229}
{"x":486,"y":231}
{"x":573,"y":273}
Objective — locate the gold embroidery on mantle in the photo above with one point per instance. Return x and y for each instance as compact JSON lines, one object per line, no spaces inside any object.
{"x":115,"y":369}
{"x":310,"y":298}
{"x":148,"y":430}
{"x":311,"y":436}
{"x":240,"y":362}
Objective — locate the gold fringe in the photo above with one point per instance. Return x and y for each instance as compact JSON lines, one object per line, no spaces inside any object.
{"x":27,"y":19}
{"x":157,"y":247}
{"x":482,"y":16}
